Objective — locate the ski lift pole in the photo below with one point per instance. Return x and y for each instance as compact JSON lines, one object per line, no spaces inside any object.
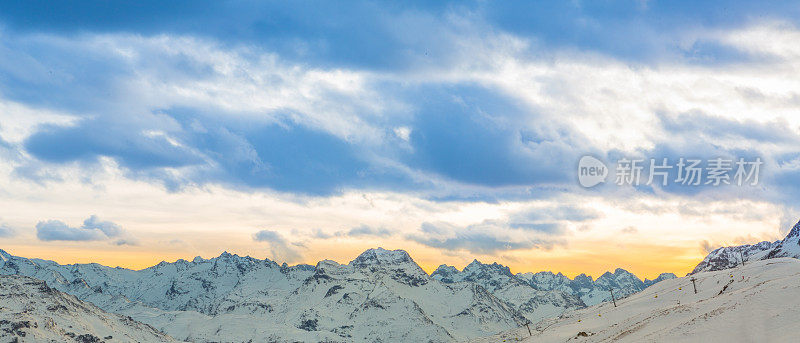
{"x":694,"y":285}
{"x":612,"y":297}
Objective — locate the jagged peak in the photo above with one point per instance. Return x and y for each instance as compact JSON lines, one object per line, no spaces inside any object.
{"x":617,"y":274}
{"x":326,"y":263}
{"x":443,"y":268}
{"x":476,"y":266}
{"x":4,"y":256}
{"x":382,"y":256}
{"x":795,"y":232}
{"x":620,"y":271}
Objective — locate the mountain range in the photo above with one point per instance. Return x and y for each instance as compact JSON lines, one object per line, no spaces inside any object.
{"x":733,"y":256}
{"x":381,"y":295}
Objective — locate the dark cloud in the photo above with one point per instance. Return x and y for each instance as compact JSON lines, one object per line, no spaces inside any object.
{"x":320,"y":33}
{"x":474,"y":135}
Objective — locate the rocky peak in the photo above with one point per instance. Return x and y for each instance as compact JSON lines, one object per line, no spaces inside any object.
{"x":396,"y":264}
{"x":382,"y":256}
{"x":476,"y":267}
{"x":444,"y":273}
{"x":621,"y":278}
{"x":583,"y":278}
{"x":225,"y":255}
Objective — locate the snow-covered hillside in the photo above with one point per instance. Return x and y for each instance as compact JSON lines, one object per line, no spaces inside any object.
{"x":757,"y":302}
{"x":30,"y":311}
{"x":729,"y":257}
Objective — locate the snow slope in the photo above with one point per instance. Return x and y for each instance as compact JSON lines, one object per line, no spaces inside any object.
{"x":33,"y":312}
{"x":757,"y":302}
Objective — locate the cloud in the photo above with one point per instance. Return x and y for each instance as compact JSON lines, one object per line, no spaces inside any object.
{"x":484,"y":238}
{"x":708,"y":247}
{"x":108,"y":228}
{"x":56,"y":230}
{"x":550,"y":219}
{"x":364,"y":230}
{"x":93,"y":229}
{"x":481,"y":136}
{"x":488,"y":120}
{"x":279,"y":247}
{"x":484,"y":107}
{"x":358,"y":231}
{"x":6,"y":231}
{"x":630,"y":230}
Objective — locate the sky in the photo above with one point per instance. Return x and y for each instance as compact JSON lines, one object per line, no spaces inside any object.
{"x":136,"y":132}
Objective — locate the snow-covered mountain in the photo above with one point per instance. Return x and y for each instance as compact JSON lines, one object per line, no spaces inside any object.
{"x":30,"y":311}
{"x":553,"y":293}
{"x":758,"y":302}
{"x":590,"y":291}
{"x":534,"y":304}
{"x":729,"y":257}
{"x":659,"y":278}
{"x":380,"y":296}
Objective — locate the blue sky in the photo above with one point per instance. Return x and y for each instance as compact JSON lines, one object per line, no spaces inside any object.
{"x":432,"y":105}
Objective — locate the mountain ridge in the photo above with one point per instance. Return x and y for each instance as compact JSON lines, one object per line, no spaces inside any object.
{"x":733,"y":256}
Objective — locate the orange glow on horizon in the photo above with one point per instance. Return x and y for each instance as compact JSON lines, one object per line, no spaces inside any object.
{"x":645,"y":261}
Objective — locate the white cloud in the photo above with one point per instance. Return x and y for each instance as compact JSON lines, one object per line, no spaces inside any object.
{"x":18,"y":121}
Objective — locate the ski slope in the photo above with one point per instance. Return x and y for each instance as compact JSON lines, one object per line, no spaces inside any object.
{"x":757,"y":302}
